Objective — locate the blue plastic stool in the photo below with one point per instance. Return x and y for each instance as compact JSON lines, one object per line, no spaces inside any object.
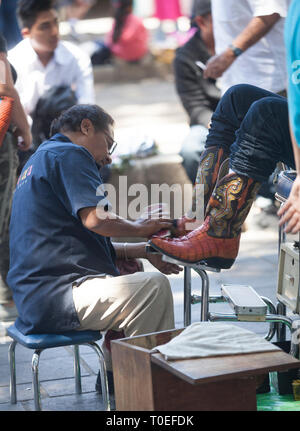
{"x":40,"y":342}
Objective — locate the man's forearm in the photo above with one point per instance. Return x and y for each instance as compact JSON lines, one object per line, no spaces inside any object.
{"x":255,"y":30}
{"x":108,"y":224}
{"x":130,"y":250}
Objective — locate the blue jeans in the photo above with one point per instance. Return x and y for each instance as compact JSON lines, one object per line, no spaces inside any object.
{"x":253,"y":125}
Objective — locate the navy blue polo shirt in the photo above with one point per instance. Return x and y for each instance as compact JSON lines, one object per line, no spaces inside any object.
{"x":49,"y":246}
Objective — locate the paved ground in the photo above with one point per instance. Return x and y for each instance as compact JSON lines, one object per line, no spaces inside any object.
{"x":150,"y":106}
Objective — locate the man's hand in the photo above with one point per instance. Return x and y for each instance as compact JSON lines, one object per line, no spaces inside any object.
{"x":252,"y":33}
{"x":164,"y":267}
{"x":149,"y":226}
{"x":216,"y":66}
{"x":107,"y":223}
{"x":24,"y":139}
{"x":290,"y":211}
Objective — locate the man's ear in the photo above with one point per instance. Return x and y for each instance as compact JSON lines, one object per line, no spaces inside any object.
{"x":25,"y":32}
{"x":86,"y":126}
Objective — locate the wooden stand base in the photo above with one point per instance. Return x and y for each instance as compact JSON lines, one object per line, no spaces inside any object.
{"x":145,"y":381}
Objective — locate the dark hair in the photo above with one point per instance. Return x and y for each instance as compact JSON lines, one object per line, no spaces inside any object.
{"x":28,"y":10}
{"x":70,"y":120}
{"x":121,"y":12}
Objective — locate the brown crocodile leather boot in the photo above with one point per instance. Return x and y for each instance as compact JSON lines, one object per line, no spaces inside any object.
{"x":216,"y":241}
{"x":213,"y":165}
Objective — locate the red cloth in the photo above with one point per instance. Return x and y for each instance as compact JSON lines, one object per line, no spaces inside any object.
{"x":167,"y":9}
{"x":133,"y":43}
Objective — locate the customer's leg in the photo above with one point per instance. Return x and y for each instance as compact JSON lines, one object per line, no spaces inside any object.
{"x":230,"y":113}
{"x":226,"y":120}
{"x":262,"y":140}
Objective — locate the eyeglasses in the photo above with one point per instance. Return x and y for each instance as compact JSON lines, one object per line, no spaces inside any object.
{"x":112,"y":144}
{"x":113,"y":147}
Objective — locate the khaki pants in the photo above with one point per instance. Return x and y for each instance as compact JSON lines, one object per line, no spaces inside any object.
{"x":138,"y":303}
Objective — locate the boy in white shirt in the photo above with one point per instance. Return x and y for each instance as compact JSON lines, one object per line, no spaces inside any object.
{"x":42,"y":61}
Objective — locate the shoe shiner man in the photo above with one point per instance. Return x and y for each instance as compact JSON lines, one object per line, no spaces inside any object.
{"x":62,"y":262}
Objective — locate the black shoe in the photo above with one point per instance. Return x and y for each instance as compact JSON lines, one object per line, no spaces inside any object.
{"x":110,"y":378}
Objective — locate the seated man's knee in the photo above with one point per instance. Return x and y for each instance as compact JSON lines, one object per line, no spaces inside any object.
{"x":242,"y":96}
{"x":160,"y":279}
{"x":162,"y":283}
{"x":239,"y":90}
{"x":268,"y":107}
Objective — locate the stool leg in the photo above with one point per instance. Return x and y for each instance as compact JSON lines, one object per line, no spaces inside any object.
{"x":77,"y":370}
{"x":103,"y":374}
{"x":12,"y":367}
{"x":187,"y":296}
{"x":204,"y":295}
{"x":35,"y":379}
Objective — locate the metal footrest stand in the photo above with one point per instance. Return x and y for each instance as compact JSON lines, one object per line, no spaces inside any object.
{"x":276,"y":320}
{"x":205,"y":299}
{"x":189,"y":299}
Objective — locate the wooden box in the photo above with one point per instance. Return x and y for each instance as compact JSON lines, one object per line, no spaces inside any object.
{"x":144,"y":381}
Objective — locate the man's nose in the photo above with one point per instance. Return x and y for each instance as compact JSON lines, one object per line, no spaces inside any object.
{"x":107,"y":160}
{"x":55,"y":30}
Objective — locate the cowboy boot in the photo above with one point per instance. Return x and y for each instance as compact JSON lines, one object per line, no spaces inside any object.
{"x":216,"y":241}
{"x":213,"y":165}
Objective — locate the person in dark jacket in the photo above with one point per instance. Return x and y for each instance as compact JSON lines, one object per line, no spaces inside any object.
{"x":199,"y":96}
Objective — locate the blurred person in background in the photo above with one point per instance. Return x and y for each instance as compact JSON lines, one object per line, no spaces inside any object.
{"x":199,"y":96}
{"x":249,"y":44}
{"x":49,"y":70}
{"x":167,"y":9}
{"x":143,"y":9}
{"x":14,"y":134}
{"x":128,"y":38}
{"x":9,"y":26}
{"x":75,"y":10}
